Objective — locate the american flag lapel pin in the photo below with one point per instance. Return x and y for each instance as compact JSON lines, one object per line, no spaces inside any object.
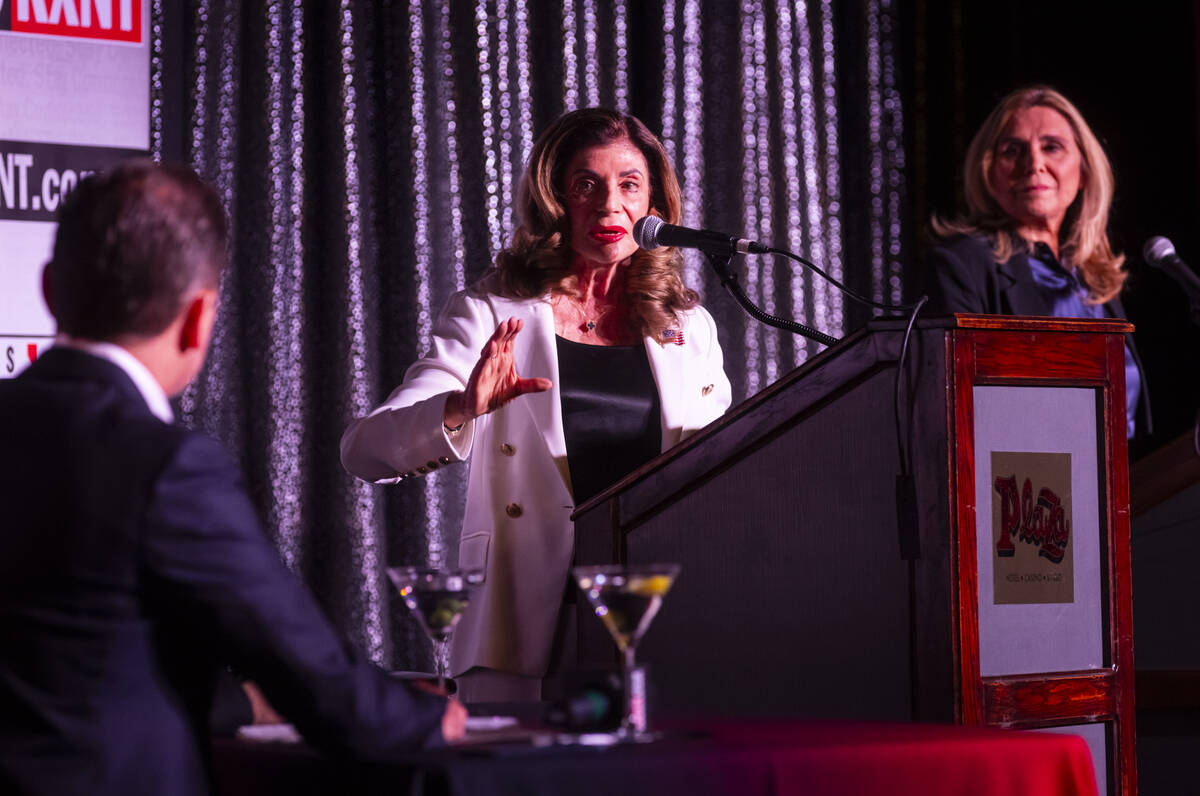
{"x":673,"y":335}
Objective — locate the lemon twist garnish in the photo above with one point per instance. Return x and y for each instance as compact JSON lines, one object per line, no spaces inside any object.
{"x":653,"y":586}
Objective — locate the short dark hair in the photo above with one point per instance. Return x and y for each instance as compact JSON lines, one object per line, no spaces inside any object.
{"x":130,"y":244}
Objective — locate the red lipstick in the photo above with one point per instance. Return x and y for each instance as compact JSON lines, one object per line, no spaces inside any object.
{"x":606,"y":234}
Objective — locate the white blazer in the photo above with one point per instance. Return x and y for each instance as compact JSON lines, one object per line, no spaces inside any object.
{"x":517,"y":525}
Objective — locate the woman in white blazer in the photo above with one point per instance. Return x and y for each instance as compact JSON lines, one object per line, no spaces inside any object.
{"x":575,"y":360}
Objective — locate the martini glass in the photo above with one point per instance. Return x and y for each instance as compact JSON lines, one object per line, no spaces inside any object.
{"x":437,"y":598}
{"x":626,"y":598}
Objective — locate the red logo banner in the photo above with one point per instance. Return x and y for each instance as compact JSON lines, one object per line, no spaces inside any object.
{"x":108,"y":20}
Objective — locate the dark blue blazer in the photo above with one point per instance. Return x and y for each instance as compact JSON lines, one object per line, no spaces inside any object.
{"x":962,"y":275}
{"x":131,"y":565}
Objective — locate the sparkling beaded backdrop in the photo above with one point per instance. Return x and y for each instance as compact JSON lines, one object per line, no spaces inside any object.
{"x":369,"y":154}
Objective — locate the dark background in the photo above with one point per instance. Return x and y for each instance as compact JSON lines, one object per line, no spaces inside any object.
{"x":1131,"y":71}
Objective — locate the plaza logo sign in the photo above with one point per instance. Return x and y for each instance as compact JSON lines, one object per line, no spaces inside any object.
{"x":1043,"y":523}
{"x":1032,"y":527}
{"x":105,"y":20}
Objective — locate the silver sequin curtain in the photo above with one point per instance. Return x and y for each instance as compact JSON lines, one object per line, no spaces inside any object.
{"x":369,"y":155}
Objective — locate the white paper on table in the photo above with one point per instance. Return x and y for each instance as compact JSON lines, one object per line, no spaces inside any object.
{"x":485,"y":723}
{"x":269,"y":733}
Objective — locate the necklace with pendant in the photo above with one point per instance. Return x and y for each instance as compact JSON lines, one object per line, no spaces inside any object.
{"x":589,"y":324}
{"x":583,"y":322}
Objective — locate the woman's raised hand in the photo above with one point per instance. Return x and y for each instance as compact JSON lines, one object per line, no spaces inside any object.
{"x":494,"y":380}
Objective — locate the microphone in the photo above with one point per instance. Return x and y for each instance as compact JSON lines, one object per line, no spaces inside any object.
{"x":652,"y":232}
{"x":1160,"y":253}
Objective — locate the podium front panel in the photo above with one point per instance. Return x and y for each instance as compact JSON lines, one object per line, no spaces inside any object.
{"x":1043,"y":401}
{"x":1038,"y":531}
{"x":791,"y":596}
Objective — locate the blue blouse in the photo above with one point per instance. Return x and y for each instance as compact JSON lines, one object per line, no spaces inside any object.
{"x":1068,"y":295}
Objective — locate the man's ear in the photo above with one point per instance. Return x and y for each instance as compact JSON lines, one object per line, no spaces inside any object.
{"x":191,"y":333}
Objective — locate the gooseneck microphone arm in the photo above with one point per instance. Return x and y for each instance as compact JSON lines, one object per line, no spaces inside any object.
{"x":652,"y":232}
{"x":720,"y":263}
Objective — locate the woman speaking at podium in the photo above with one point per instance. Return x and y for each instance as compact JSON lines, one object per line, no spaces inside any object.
{"x":1034,"y":240}
{"x":575,"y":360}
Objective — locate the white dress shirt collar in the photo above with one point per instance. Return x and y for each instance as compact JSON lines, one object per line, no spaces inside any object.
{"x":147,"y":385}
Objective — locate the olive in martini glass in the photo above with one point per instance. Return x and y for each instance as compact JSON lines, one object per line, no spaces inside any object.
{"x":437,"y":598}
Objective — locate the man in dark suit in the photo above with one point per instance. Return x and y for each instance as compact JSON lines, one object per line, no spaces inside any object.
{"x":131,"y":561}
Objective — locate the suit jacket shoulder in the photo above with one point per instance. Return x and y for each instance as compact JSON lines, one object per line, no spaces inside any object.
{"x":958,"y":273}
{"x":132,"y":566}
{"x":963,"y":275}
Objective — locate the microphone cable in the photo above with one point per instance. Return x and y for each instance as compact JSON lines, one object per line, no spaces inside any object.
{"x":906,"y":492}
{"x":913,"y":309}
{"x":906,"y":486}
{"x":845,"y":290}
{"x":719,"y":250}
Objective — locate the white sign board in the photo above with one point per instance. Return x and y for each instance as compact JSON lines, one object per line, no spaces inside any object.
{"x":75,"y":99}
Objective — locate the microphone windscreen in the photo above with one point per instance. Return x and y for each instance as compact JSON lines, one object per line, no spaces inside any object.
{"x":645,"y":232}
{"x":1157,"y":249}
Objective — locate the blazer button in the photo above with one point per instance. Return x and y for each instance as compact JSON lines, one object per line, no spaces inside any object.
{"x":508,"y":450}
{"x":514,"y":510}
{"x":422,"y":470}
{"x":444,"y":460}
{"x":432,"y":465}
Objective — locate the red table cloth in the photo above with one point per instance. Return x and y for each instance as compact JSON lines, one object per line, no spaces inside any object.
{"x":739,"y":758}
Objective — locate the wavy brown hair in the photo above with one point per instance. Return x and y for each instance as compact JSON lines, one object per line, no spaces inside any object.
{"x":539,"y":259}
{"x":1083,"y":237}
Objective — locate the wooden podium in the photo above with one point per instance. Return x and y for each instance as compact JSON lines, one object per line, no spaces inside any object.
{"x":1012,"y":607}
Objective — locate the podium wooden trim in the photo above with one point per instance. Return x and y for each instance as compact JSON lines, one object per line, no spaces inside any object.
{"x":1078,"y":358}
{"x":669,"y":510}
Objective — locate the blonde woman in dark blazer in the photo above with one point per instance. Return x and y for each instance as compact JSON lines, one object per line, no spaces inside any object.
{"x":1034,"y":240}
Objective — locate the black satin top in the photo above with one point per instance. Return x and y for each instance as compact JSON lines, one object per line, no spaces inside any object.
{"x":610,"y":410}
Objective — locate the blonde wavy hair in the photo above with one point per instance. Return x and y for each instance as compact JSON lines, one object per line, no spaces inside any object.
{"x":539,"y":259}
{"x":1083,"y":237}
